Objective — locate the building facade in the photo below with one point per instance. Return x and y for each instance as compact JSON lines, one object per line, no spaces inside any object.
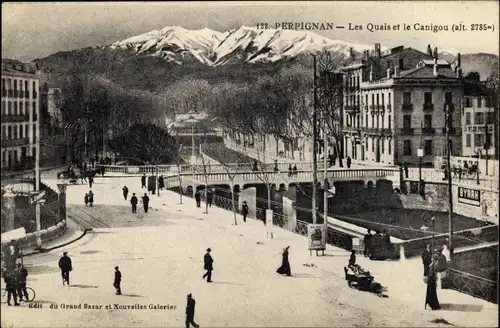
{"x":20,"y":114}
{"x":478,"y":119}
{"x":387,"y":118}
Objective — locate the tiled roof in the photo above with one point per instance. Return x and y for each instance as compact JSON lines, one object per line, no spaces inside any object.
{"x":428,"y":72}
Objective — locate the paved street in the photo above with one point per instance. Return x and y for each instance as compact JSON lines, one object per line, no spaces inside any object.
{"x":161,"y":253}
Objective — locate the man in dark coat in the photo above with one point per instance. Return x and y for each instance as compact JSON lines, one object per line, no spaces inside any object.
{"x":426,"y":259}
{"x":366,"y":241}
{"x":244,"y":211}
{"x":118,"y":280}
{"x":208,"y":265}
{"x":143,"y":181}
{"x":133,"y":201}
{"x":125,"y":192}
{"x":352,"y":258}
{"x":431,"y":298}
{"x":161,"y":182}
{"x":145,"y":202}
{"x":190,"y":312}
{"x":294,"y":169}
{"x":91,"y":198}
{"x":210,"y":197}
{"x":65,"y":266}
{"x":197,"y":196}
{"x":348,"y":162}
{"x":91,"y":180}
{"x":22,"y":276}
{"x":10,"y":280}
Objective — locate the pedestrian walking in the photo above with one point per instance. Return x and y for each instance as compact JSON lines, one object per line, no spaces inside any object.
{"x":244,"y":211}
{"x":285,"y":264}
{"x":10,"y":285}
{"x":352,"y":259}
{"x":349,"y":162}
{"x":125,"y":192}
{"x":295,"y":169}
{"x":65,"y":266}
{"x":86,"y":199}
{"x":145,"y":202}
{"x":161,"y":182}
{"x":91,"y":181}
{"x":133,"y":201}
{"x":103,"y":170}
{"x":426,"y":259}
{"x":290,"y":170}
{"x":91,"y":198}
{"x":255,"y":168}
{"x":210,"y":197}
{"x":143,"y":181}
{"x":190,"y":312}
{"x":276,"y":168}
{"x":405,"y":169}
{"x":118,"y":281}
{"x":22,"y":276}
{"x":197,"y":196}
{"x":208,"y":260}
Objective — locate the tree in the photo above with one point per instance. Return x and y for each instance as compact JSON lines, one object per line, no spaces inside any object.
{"x":147,"y":143}
{"x":178,"y":159}
{"x":232,"y":172}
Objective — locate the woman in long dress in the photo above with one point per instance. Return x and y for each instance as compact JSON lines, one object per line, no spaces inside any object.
{"x":431,"y":298}
{"x":285,"y":265}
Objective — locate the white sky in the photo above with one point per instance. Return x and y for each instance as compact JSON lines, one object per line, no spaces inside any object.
{"x":34,"y":30}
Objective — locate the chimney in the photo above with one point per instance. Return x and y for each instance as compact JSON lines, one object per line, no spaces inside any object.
{"x":365,"y":54}
{"x":429,"y":50}
{"x":377,"y":50}
{"x":435,"y":53}
{"x":396,"y":71}
{"x":459,"y":72}
{"x":435,"y":72}
{"x":351,"y":53}
{"x":388,"y":73}
{"x":459,"y":60}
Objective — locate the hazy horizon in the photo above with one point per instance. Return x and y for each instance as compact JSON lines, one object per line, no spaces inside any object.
{"x":36,"y":30}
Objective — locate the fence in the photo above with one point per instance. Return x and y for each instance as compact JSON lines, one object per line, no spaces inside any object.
{"x":472,"y":285}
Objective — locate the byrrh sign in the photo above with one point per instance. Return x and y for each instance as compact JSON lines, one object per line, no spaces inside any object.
{"x":469,"y":196}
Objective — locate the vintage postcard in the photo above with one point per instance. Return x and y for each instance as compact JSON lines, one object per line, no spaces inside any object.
{"x":250,"y":164}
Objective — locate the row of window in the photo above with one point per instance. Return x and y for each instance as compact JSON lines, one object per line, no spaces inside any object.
{"x":17,"y":108}
{"x":407,"y":147}
{"x":428,"y":97}
{"x":13,"y":157}
{"x":352,"y":81}
{"x":468,"y":101}
{"x":479,"y":118}
{"x":479,"y":139}
{"x":17,"y":131}
{"x":379,"y":98}
{"x":427,"y":123}
{"x":8,"y":85}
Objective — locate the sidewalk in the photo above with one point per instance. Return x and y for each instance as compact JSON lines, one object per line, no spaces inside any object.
{"x":403,"y":279}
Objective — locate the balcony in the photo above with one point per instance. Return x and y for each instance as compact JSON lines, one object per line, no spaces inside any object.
{"x":35,"y":94}
{"x":452,"y":130}
{"x":15,"y":142}
{"x":352,"y":109}
{"x":388,"y":107}
{"x":21,"y":94}
{"x":377,"y":131}
{"x":407,"y":106}
{"x":26,"y":94}
{"x":372,"y":107}
{"x":15,"y":118}
{"x":16,"y":93}
{"x":428,"y":131}
{"x":428,"y":107}
{"x":407,"y":131}
{"x":451,"y":107}
{"x":4,"y":92}
{"x":10,"y":93}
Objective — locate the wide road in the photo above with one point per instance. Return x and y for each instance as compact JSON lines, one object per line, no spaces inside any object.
{"x":160,"y":255}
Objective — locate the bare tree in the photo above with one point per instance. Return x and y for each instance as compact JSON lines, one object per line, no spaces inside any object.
{"x":178,"y":163}
{"x":206,"y":170}
{"x":232,"y":172}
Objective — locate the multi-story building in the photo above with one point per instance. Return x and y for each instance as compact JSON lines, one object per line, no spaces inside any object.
{"x":478,"y":119}
{"x":389,"y":117}
{"x":20,"y":113}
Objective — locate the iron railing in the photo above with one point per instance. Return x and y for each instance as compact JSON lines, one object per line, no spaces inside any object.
{"x":473,"y":285}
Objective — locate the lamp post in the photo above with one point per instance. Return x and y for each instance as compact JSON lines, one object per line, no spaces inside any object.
{"x":37,"y":179}
{"x":315,"y":164}
{"x":450,"y":189}
{"x":486,"y":144}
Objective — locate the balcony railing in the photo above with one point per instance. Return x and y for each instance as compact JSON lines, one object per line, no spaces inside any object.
{"x":452,"y":130}
{"x":11,"y":93}
{"x":407,"y":106}
{"x":407,"y":131}
{"x":377,"y":131}
{"x":15,"y":142}
{"x":352,"y":109}
{"x":388,"y":107}
{"x":451,"y":107}
{"x":428,"y":106}
{"x":21,"y":94}
{"x":428,"y":130}
{"x":26,"y":94}
{"x":16,"y":93}
{"x":15,"y":118}
{"x":35,"y":94}
{"x":372,"y":107}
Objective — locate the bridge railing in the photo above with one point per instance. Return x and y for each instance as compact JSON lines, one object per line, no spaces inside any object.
{"x":473,"y":285}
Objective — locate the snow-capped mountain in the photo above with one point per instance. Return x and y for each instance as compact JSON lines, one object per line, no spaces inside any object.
{"x":245,"y":44}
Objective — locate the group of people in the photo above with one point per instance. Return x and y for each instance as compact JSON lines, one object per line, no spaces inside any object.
{"x":134,"y":200}
{"x":161,"y":182}
{"x":209,"y":200}
{"x":89,"y":198}
{"x":15,"y":284}
{"x":377,"y":245}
